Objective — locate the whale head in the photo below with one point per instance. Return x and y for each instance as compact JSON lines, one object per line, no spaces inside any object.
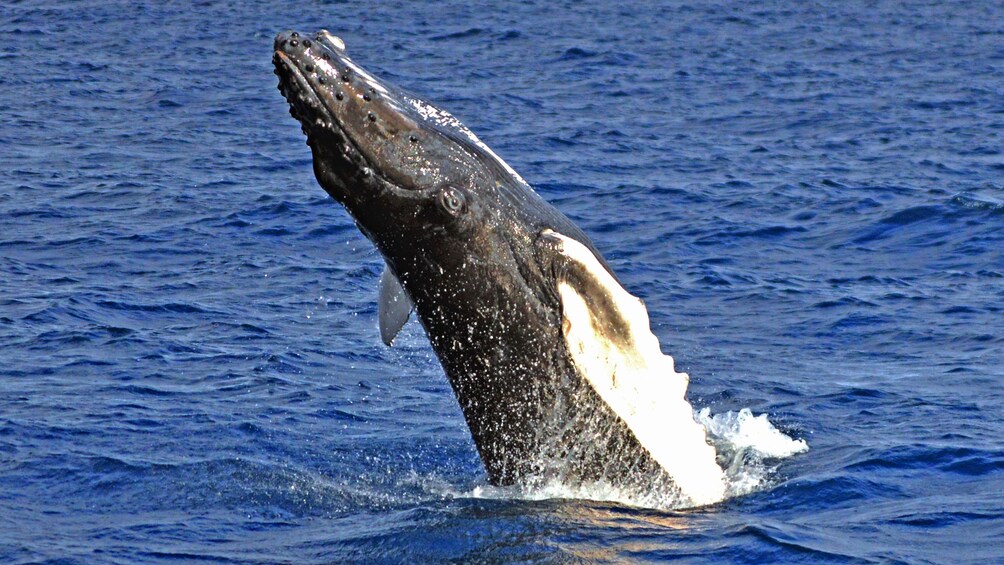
{"x":408,"y":172}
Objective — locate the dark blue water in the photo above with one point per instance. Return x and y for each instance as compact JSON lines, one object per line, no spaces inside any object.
{"x":810,"y":199}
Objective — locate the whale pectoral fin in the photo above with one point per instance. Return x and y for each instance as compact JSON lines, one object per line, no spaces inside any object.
{"x":394,"y":307}
{"x":593,"y":302}
{"x":606,"y":328}
{"x":610,"y":343}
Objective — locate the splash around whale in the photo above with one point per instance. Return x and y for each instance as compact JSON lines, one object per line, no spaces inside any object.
{"x":552,"y":361}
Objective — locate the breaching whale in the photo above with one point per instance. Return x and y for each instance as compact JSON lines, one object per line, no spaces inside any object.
{"x":552,"y":361}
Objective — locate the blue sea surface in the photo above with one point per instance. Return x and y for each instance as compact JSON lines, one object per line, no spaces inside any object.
{"x":809,"y":197}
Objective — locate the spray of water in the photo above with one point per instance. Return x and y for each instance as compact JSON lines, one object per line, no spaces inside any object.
{"x":749,"y":448}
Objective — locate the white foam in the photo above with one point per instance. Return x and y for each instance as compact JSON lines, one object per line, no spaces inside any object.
{"x":743,"y":430}
{"x":748,"y":446}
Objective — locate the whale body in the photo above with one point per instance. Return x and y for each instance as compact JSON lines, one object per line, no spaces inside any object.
{"x":552,"y":361}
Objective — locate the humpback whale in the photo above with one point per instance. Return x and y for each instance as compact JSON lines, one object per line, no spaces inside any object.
{"x":554,"y":365}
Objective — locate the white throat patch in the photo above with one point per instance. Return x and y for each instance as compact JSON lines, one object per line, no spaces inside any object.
{"x":607,"y":333}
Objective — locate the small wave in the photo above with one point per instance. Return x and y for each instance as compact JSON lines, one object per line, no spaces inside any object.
{"x":470,"y":32}
{"x":574,"y":53}
{"x":958,"y":460}
{"x":143,"y":390}
{"x":913,"y":215}
{"x":844,"y":301}
{"x":978,"y":201}
{"x":274,"y":232}
{"x":899,"y":220}
{"x":793,"y":538}
{"x":168,"y":307}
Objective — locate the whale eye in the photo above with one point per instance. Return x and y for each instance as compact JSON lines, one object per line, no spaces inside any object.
{"x":452,"y":201}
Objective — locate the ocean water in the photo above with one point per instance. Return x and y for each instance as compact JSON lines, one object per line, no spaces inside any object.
{"x":809,"y":198}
